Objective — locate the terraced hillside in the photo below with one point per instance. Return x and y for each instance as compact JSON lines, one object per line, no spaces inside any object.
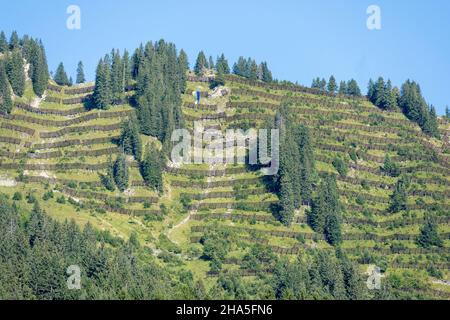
{"x":54,"y":149}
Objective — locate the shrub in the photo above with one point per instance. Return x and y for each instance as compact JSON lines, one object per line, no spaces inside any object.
{"x":340,"y":166}
{"x":17,"y":196}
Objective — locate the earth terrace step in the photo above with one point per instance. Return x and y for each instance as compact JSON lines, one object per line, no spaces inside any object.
{"x":262,"y":205}
{"x":80,"y":90}
{"x":59,"y":154}
{"x":377,"y":170}
{"x":290,"y":87}
{"x":312,"y":236}
{"x":224,"y":194}
{"x":206,"y":173}
{"x":10,"y":140}
{"x":17,"y":128}
{"x":74,"y":142}
{"x":86,"y":128}
{"x":69,"y":122}
{"x":43,"y":111}
{"x":215,"y":184}
{"x":232,"y":216}
{"x":58,"y":166}
{"x":102,"y":196}
{"x":204,"y":107}
{"x":382,"y":224}
{"x":223,"y":116}
{"x":96,"y":184}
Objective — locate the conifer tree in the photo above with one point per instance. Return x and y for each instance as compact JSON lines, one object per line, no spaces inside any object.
{"x":399,"y":198}
{"x":5,"y":91}
{"x":152,"y":167}
{"x":126,"y":69}
{"x":121,"y":172}
{"x":117,"y":84}
{"x":353,"y":88}
{"x":332,"y":87}
{"x":343,"y":88}
{"x":16,"y":73}
{"x":183,"y":65}
{"x":38,"y":67}
{"x":266,"y":73}
{"x":447,"y":112}
{"x":3,"y":43}
{"x":61,"y":76}
{"x":102,"y":95}
{"x":429,"y":235}
{"x":211,"y":63}
{"x":222,"y":66}
{"x":14,"y":41}
{"x":391,"y":168}
{"x":80,"y":73}
{"x":108,"y":178}
{"x":130,"y":140}
{"x":200,"y":64}
{"x":325,"y":211}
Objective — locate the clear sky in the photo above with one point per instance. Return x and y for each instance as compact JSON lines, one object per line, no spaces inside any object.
{"x":299,"y":39}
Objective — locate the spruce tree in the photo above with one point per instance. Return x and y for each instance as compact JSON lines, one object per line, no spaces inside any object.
{"x":429,"y":235}
{"x":117,"y":84}
{"x":38,"y":67}
{"x":80,"y":73}
{"x":266,"y":73}
{"x":14,"y":41}
{"x":399,"y":198}
{"x":200,"y":64}
{"x":332,"y":87}
{"x":108,"y":178}
{"x":222,"y":66}
{"x":325,"y":211}
{"x":183,"y":66}
{"x":102,"y":95}
{"x":16,"y":73}
{"x":353,"y":88}
{"x":5,"y":91}
{"x":126,"y":69}
{"x":447,"y":112}
{"x":3,"y":43}
{"x":130,"y":139}
{"x":391,"y":168}
{"x":152,"y":167}
{"x":120,"y":171}
{"x":211,"y":63}
{"x":342,"y":88}
{"x":61,"y":76}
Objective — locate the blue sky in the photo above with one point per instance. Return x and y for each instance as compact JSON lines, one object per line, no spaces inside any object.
{"x":299,"y":39}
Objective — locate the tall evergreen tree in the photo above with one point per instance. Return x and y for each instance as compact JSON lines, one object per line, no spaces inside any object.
{"x":117,"y":84}
{"x":342,"y":88}
{"x":61,"y":76}
{"x":80,"y":73}
{"x":5,"y":91}
{"x":266,"y":73}
{"x":447,"y":112}
{"x":121,"y":172}
{"x":200,"y":64}
{"x":429,"y":235}
{"x":130,"y":140}
{"x":108,"y":178}
{"x":183,"y":65}
{"x":102,"y":95}
{"x":332,"y":86}
{"x":152,"y":167}
{"x":3,"y":43}
{"x":211,"y":63}
{"x":399,"y":198}
{"x":222,"y":66}
{"x":16,"y":72}
{"x":38,"y":67}
{"x":126,"y":69}
{"x":325,"y":211}
{"x":353,"y":88}
{"x":14,"y":41}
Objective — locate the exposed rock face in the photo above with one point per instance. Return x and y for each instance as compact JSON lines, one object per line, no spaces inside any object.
{"x":219,"y":92}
